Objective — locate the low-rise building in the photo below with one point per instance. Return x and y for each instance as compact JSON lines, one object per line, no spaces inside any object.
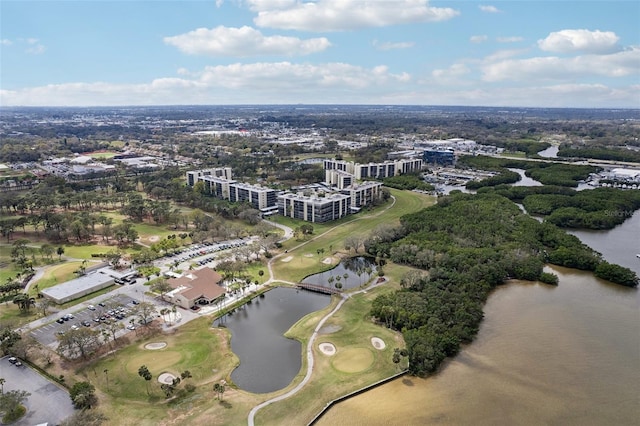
{"x":198,"y":287}
{"x":76,"y":288}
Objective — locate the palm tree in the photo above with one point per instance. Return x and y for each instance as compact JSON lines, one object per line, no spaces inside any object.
{"x":24,"y":302}
{"x":219,"y":389}
{"x":163,"y":312}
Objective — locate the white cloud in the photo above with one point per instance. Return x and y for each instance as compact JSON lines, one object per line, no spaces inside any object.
{"x":263,"y":82}
{"x":550,"y":96}
{"x":293,"y":86}
{"x":489,"y":9}
{"x":618,"y":64}
{"x":456,"y":76}
{"x":243,"y":42}
{"x":6,"y":42}
{"x":509,"y":39}
{"x":567,"y":41}
{"x":262,"y":5}
{"x":36,"y":49}
{"x":343,"y":15}
{"x":478,"y":38}
{"x":387,"y":45}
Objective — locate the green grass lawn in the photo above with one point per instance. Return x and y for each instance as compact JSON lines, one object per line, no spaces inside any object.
{"x":206,"y":352}
{"x":130,"y":400}
{"x":355,"y":364}
{"x":102,"y":155}
{"x":304,"y":255}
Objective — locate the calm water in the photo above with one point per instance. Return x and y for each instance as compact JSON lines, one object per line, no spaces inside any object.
{"x":551,"y":152}
{"x":566,"y":355}
{"x":268,"y":360}
{"x":354,"y":268}
{"x":524,"y":179}
{"x":619,"y":245}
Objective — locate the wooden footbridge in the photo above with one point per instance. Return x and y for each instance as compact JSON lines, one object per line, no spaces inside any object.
{"x":318,"y":288}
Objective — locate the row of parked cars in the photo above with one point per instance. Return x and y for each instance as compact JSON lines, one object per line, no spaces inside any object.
{"x":116,"y":313}
{"x":197,"y":250}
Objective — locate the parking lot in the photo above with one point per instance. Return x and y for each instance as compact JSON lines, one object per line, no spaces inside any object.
{"x":196,"y":252}
{"x":120,"y":305}
{"x":48,"y":403}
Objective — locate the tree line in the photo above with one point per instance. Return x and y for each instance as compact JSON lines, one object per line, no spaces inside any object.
{"x":546,"y":173}
{"x":469,"y":244}
{"x":598,"y":208}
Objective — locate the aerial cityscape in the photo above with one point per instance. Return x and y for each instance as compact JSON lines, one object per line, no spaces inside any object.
{"x":323,"y":212}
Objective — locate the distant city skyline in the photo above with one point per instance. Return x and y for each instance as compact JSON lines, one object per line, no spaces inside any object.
{"x":402,"y":52}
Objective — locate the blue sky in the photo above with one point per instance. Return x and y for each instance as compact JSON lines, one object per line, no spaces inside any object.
{"x":155,"y":52}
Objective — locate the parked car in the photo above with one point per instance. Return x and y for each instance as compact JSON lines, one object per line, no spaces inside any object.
{"x":86,"y":323}
{"x":60,"y":320}
{"x":131,"y":327}
{"x":13,"y":360}
{"x":91,"y":308}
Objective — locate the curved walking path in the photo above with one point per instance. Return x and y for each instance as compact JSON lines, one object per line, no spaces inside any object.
{"x":344,"y":298}
{"x":310,"y":359}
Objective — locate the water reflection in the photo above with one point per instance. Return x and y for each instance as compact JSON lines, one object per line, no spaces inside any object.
{"x":268,"y":360}
{"x":350,"y":273}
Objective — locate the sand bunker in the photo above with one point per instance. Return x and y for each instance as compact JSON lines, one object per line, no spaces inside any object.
{"x":155,"y":346}
{"x":287,"y":259}
{"x":378,"y":343}
{"x":327,"y":260}
{"x":154,"y":238}
{"x":166,"y":378}
{"x":327,"y":349}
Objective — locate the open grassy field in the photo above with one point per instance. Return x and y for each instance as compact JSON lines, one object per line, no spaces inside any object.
{"x":100,"y":155}
{"x":206,"y":353}
{"x":330,"y":237}
{"x":197,"y":347}
{"x":355,"y":364}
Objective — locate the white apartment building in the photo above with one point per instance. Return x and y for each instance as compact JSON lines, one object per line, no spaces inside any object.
{"x":194,"y":175}
{"x":314,"y":208}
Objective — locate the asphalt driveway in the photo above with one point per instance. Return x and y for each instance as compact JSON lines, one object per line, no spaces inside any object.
{"x":48,"y":403}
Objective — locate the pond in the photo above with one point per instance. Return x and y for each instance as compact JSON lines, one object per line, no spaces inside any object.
{"x":355,"y":269}
{"x":268,"y":360}
{"x":551,"y":152}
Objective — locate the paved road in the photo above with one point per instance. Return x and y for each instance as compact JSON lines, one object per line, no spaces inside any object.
{"x":48,"y":403}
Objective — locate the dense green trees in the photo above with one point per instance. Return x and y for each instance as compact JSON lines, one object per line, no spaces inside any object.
{"x":599,"y":208}
{"x":83,"y":395}
{"x":546,"y":173}
{"x":600,"y":153}
{"x":616,"y":274}
{"x":469,"y":244}
{"x":409,"y":182}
